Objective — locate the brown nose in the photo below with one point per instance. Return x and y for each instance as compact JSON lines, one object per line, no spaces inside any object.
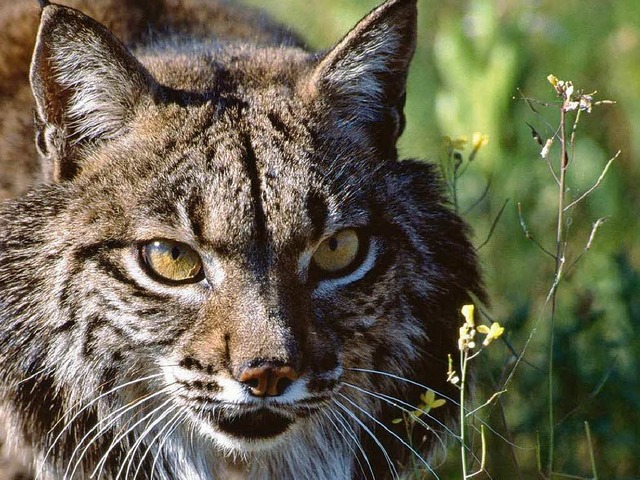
{"x":267,"y":379}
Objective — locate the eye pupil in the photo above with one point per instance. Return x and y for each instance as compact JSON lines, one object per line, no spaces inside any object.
{"x":337,"y":253}
{"x":171,"y":261}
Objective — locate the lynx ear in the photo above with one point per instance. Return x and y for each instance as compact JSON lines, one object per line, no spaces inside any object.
{"x":364,"y":76}
{"x":85,"y":84}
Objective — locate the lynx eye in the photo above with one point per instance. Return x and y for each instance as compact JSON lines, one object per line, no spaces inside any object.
{"x":338,"y":252}
{"x":171,"y":261}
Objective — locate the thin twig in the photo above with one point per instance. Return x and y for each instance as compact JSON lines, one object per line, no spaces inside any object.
{"x":591,"y":452}
{"x":509,"y":434}
{"x":463,"y":379}
{"x":483,"y":456}
{"x":530,"y":237}
{"x":506,"y":341}
{"x":530,"y":101}
{"x":494,"y":225}
{"x":488,"y":402}
{"x":538,"y":453}
{"x":560,"y":251}
{"x":594,"y":393}
{"x":555,"y":177}
{"x":572,"y":141}
{"x":480,"y":198}
{"x":594,"y":228}
{"x":596,"y":185}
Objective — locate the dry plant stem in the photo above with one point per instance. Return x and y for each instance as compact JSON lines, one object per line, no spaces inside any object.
{"x":463,"y":379}
{"x":591,"y":454}
{"x":595,"y":185}
{"x":594,"y":229}
{"x":574,"y":129}
{"x":493,"y":225}
{"x":558,"y":275}
{"x":487,"y":403}
{"x":528,"y":235}
{"x":509,"y":434}
{"x":455,"y":194}
{"x":483,"y":457}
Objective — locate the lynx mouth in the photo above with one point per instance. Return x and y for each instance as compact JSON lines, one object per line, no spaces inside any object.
{"x":255,"y":425}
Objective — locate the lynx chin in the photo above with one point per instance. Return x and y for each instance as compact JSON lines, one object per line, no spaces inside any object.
{"x":213,"y":264}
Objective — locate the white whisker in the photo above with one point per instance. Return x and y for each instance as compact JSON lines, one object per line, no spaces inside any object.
{"x":449,"y":399}
{"x":97,"y":471}
{"x":107,"y":422}
{"x":30,"y":377}
{"x":409,"y":409}
{"x":392,"y":467}
{"x":130,"y":457}
{"x":179,"y":417}
{"x":400,"y":439}
{"x":406,"y":407}
{"x":407,"y":380}
{"x":68,"y":423}
{"x":353,"y":436}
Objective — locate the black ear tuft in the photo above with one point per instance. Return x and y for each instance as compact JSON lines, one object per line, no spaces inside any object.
{"x":364,"y":76}
{"x":44,"y":3}
{"x":86,"y":85}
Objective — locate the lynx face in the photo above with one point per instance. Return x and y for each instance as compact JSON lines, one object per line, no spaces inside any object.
{"x":228,"y":270}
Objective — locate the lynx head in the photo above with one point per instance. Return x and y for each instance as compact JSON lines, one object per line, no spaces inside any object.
{"x":228,"y":257}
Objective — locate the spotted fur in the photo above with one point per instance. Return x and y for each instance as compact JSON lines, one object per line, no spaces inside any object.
{"x":251,"y":153}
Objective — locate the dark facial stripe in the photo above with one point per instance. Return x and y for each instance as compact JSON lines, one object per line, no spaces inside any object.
{"x":251,"y":164}
{"x":318,"y":211}
{"x":100,"y":254}
{"x":91,"y":251}
{"x":195,"y":214}
{"x":117,"y":272}
{"x":277,"y":123}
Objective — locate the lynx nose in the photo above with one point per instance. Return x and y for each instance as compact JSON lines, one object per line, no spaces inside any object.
{"x":267,"y":379}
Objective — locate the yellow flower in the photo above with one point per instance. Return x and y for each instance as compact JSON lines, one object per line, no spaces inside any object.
{"x":467,"y":313}
{"x":491,"y":333}
{"x":479,"y":140}
{"x":429,"y":401}
{"x":458,"y":143}
{"x":553,"y":80}
{"x":467,"y":331}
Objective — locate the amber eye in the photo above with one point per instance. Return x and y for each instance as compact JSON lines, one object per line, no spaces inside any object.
{"x":338,"y":252}
{"x":172,"y":261}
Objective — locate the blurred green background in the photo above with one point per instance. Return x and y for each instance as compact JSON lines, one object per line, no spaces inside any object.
{"x":475,"y":60}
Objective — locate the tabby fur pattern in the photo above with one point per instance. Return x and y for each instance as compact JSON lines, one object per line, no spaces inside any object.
{"x":202,"y":130}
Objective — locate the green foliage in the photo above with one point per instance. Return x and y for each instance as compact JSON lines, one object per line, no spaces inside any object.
{"x":473,"y":60}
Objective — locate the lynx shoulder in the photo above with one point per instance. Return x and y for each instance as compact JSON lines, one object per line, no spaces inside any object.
{"x":212,"y":262}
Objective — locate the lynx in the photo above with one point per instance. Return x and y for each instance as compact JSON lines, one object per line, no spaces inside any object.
{"x":212,"y":262}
